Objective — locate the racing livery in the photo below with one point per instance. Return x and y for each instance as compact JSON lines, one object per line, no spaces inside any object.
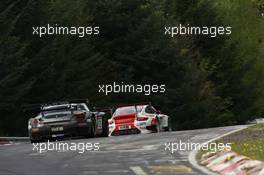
{"x":138,"y":118}
{"x":64,"y":119}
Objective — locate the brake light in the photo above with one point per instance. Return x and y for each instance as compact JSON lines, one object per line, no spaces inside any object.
{"x":142,"y":118}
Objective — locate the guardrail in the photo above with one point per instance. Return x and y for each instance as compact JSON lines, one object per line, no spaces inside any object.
{"x":14,"y":139}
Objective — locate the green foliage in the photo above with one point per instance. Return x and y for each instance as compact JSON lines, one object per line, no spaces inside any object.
{"x":209,"y":81}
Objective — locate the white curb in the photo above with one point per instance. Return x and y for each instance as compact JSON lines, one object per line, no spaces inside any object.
{"x":193,"y":153}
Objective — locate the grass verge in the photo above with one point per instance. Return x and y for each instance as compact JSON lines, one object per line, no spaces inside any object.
{"x":248,"y":142}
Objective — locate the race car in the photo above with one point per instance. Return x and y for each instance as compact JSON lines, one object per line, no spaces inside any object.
{"x":63,"y":119}
{"x":137,"y":118}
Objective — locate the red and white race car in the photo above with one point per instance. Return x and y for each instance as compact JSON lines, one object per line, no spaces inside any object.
{"x":134,"y":119}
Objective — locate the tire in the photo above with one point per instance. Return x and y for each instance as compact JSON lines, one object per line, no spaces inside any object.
{"x":105,"y":129}
{"x":169,"y":128}
{"x":91,"y":130}
{"x":32,"y":140}
{"x":158,"y":129}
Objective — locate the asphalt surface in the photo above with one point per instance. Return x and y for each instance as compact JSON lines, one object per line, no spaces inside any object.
{"x":143,"y":154}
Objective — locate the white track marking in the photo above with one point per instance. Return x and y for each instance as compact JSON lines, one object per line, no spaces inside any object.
{"x":89,"y":172}
{"x":138,"y":170}
{"x":116,"y":171}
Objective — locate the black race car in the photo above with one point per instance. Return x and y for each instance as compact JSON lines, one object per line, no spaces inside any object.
{"x":62,"y":119}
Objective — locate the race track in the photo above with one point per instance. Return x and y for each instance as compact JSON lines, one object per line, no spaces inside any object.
{"x":121,"y":155}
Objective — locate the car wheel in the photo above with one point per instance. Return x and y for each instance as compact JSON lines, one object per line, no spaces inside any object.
{"x":105,"y":129}
{"x":91,"y":130}
{"x":34,"y":140}
{"x":158,"y":129}
{"x":168,"y":128}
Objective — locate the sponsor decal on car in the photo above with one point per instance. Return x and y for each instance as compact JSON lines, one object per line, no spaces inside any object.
{"x":56,"y":129}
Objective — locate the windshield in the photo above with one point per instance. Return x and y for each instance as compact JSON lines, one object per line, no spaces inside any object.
{"x":128,"y":110}
{"x":56,"y":114}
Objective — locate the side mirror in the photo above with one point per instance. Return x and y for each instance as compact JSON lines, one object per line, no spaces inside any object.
{"x":158,"y":112}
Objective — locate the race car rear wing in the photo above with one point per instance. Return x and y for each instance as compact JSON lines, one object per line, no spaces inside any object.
{"x":37,"y":108}
{"x":112,"y":108}
{"x":132,"y":104}
{"x":65,"y":102}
